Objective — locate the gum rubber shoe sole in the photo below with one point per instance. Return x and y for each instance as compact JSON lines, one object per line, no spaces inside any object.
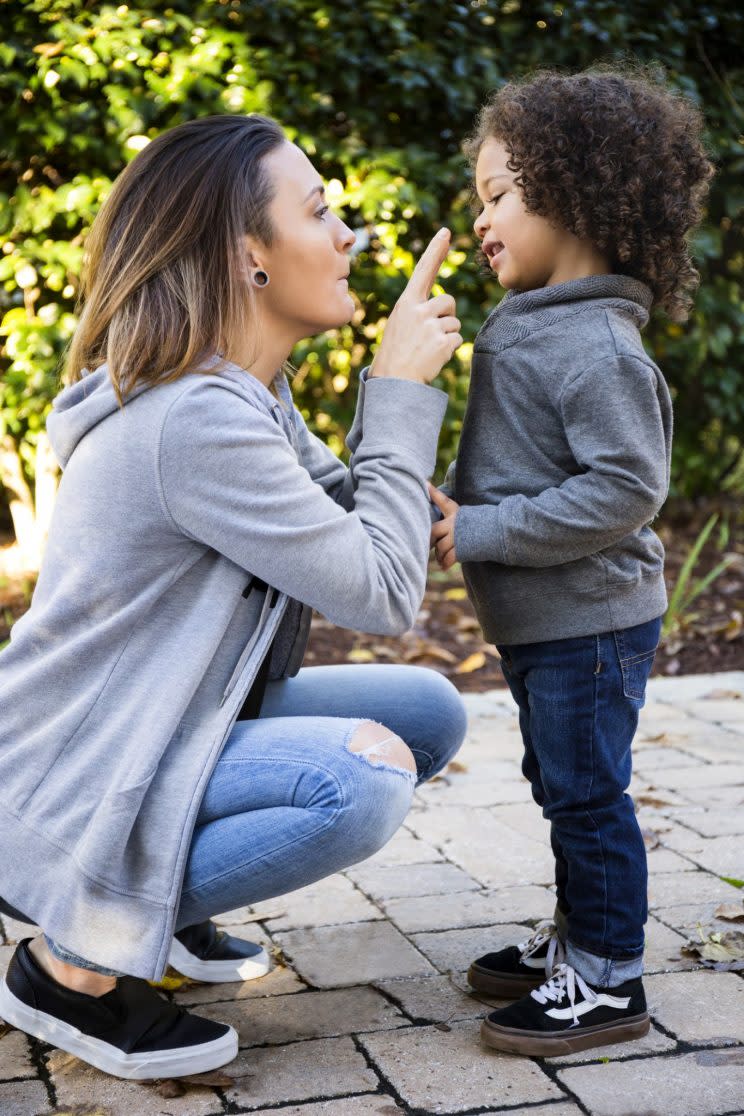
{"x":217,"y":972}
{"x":540,"y":1044}
{"x":104,"y":1056}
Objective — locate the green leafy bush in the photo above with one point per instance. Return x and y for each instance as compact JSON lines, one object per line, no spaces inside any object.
{"x":380,"y":94}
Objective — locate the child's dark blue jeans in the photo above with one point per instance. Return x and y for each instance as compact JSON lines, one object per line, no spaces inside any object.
{"x":579,"y":701}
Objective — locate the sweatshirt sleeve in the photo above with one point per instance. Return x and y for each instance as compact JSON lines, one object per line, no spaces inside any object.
{"x":231,"y":480}
{"x":614,"y":425}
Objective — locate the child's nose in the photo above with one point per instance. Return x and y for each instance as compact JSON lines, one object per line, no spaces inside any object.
{"x":480,"y":225}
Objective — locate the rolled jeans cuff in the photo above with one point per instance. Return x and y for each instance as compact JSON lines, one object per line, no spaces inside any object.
{"x":603,"y":972}
{"x":63,"y":954}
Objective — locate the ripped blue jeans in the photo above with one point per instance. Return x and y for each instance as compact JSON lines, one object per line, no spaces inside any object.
{"x":289,"y":803}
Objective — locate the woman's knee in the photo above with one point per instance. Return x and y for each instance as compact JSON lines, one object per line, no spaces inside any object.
{"x":446,"y":721}
{"x":381,"y":746}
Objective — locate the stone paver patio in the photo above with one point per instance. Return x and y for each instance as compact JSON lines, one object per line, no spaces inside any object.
{"x":367,"y":1012}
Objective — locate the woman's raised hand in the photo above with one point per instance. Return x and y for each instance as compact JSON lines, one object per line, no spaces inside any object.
{"x":422,"y":333}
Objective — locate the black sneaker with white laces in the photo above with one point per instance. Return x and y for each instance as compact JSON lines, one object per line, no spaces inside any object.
{"x":566,"y":1014}
{"x":203,"y":952}
{"x":516,"y":970}
{"x":130,"y":1032}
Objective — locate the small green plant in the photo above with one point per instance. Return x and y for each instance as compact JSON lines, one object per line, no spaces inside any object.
{"x":688,"y":588}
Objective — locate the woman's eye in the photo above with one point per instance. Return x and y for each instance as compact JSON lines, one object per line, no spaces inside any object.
{"x":322,"y":211}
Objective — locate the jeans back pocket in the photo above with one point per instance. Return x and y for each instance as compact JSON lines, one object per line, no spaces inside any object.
{"x":636,"y":649}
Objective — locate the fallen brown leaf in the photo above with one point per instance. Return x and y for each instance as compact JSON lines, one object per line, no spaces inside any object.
{"x":650,"y":838}
{"x":723,"y":695}
{"x":732,"y":912}
{"x":645,"y":798}
{"x":473,"y":662}
{"x":456,"y":766}
{"x":459,"y":593}
{"x":723,"y":951}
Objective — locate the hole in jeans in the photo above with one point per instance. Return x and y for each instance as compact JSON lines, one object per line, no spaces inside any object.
{"x":381,"y":748}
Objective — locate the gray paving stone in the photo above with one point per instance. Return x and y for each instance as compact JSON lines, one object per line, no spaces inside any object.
{"x":335,"y":956}
{"x":649,"y":761}
{"x":662,"y":954}
{"x":280,"y":981}
{"x":722,"y":855}
{"x":449,"y":1071}
{"x":653,"y":1043}
{"x":405,"y":848}
{"x":6,"y":952}
{"x":682,"y":888}
{"x":706,"y":775}
{"x":373,"y":1104}
{"x":713,"y":823}
{"x":474,"y":908}
{"x":657,"y":1087}
{"x":399,"y":881}
{"x":665,"y":860}
{"x":79,"y":1085}
{"x":679,"y":692}
{"x":686,"y":919}
{"x":23,"y":1098}
{"x":485,"y":848}
{"x":436,"y":999}
{"x":15,"y":1056}
{"x":700,"y":1007}
{"x":324,"y":903}
{"x":453,"y":950}
{"x":714,"y":798}
{"x":307,"y":1015}
{"x":303,"y":1071}
{"x":527,"y":820}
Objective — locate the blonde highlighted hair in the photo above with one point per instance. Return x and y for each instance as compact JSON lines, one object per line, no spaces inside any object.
{"x":164,"y":283}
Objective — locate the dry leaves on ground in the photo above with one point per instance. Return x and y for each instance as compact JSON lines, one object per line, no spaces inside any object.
{"x":722,"y":950}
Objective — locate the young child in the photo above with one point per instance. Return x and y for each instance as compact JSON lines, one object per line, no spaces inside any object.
{"x":589,"y":185}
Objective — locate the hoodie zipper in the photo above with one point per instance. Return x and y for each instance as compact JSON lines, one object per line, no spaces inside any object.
{"x":270,"y":601}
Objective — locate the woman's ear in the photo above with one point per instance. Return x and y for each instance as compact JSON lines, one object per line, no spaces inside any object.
{"x":255,"y":253}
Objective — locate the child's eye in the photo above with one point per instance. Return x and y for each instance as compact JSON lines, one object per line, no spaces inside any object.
{"x":322,"y":211}
{"x":494,"y":199}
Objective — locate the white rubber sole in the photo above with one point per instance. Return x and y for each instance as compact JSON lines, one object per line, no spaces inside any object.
{"x":178,"y":1062}
{"x":217,"y":972}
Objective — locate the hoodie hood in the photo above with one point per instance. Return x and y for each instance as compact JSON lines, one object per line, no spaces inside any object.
{"x":81,"y":406}
{"x":521,"y":313}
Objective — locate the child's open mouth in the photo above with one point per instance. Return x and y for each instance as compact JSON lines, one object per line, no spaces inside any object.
{"x":492,"y":250}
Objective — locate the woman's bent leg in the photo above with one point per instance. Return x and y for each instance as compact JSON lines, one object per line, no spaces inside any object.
{"x":417,"y":704}
{"x":291,"y":800}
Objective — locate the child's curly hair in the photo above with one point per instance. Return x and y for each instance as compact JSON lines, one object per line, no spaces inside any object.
{"x":615,"y":157}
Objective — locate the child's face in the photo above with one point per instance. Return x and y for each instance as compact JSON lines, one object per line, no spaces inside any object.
{"x":523,"y":249}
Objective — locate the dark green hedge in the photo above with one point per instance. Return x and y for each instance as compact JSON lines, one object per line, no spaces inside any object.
{"x":380,"y":94}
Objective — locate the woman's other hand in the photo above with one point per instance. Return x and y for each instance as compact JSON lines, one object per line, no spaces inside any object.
{"x":443,"y":531}
{"x":422,"y":333}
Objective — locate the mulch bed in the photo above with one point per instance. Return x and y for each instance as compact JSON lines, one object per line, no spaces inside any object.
{"x":447,"y":636}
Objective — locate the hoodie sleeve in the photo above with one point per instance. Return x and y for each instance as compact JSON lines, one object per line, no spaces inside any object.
{"x":614,"y":425}
{"x":231,"y":480}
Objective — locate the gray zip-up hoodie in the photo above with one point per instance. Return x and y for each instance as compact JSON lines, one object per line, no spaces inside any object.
{"x":122,"y":681}
{"x":563,"y":461}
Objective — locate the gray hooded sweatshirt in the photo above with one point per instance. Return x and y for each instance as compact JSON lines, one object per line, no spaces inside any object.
{"x":121,"y":683}
{"x":563,"y":461}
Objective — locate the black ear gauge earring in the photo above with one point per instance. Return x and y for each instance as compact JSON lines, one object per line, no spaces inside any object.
{"x":259,"y":278}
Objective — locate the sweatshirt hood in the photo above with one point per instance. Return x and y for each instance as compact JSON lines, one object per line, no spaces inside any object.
{"x":77,"y":409}
{"x":619,"y":292}
{"x":82,"y":405}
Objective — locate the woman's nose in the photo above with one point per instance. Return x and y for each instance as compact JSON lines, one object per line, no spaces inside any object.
{"x":344,"y":236}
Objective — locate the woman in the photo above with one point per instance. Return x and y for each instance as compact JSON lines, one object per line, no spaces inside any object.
{"x":161,"y":760}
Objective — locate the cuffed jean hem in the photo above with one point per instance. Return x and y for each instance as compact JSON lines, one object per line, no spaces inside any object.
{"x":603,"y":972}
{"x":63,"y":954}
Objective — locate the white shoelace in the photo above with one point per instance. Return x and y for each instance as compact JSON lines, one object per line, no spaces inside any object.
{"x":564,"y":981}
{"x":545,"y":931}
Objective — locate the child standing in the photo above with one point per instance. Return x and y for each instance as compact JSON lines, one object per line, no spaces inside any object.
{"x":589,"y":185}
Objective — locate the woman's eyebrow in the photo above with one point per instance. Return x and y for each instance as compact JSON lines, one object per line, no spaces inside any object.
{"x":319,"y":189}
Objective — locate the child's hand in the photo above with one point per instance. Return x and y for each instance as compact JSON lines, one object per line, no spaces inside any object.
{"x":443,"y":532}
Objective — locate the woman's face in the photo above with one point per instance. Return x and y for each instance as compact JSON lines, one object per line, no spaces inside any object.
{"x":308,"y":260}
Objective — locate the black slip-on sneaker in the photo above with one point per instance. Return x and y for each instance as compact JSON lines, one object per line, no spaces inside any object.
{"x":516,"y":970}
{"x":129,"y":1032}
{"x":566,"y":1014}
{"x":205,"y":953}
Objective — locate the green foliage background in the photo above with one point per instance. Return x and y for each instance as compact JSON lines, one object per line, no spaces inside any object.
{"x":380,"y":94}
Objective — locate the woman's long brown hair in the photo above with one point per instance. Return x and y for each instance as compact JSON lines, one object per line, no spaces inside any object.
{"x":164,"y":283}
